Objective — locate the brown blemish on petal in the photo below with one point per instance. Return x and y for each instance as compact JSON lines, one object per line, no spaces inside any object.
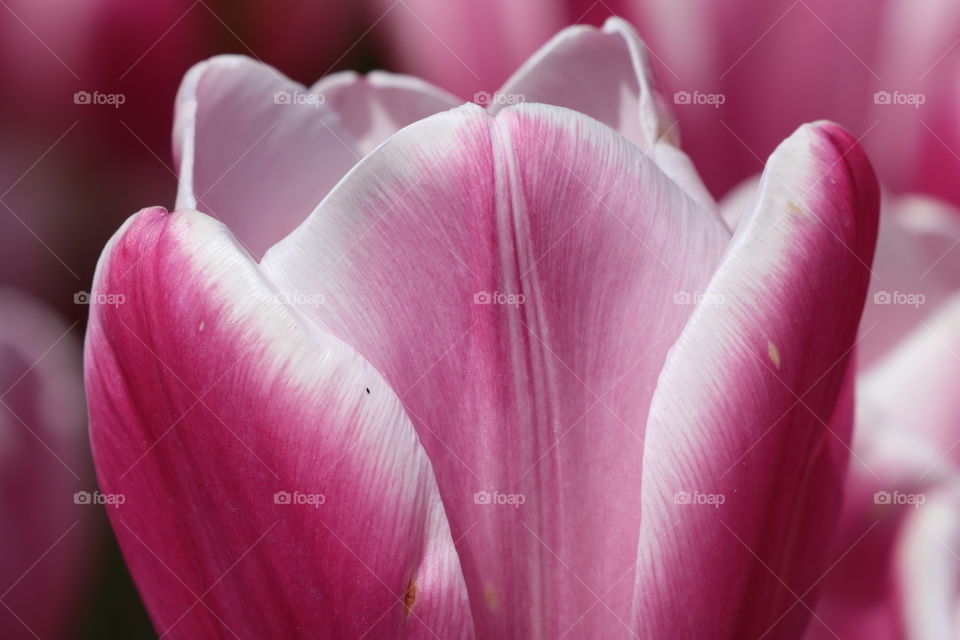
{"x":793,"y":207}
{"x":409,"y":598}
{"x":491,"y":598}
{"x":774,"y":354}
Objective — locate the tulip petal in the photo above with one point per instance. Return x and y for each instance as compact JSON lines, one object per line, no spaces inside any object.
{"x":518,"y":280}
{"x":255,"y":149}
{"x":605,"y":74}
{"x":273,"y":485}
{"x":375,"y":106}
{"x":746,"y":445}
{"x":894,"y":463}
{"x":917,"y":269}
{"x":928,"y":566}
{"x":914,"y":386}
{"x":43,"y":462}
{"x":916,"y":266}
{"x":906,"y":445}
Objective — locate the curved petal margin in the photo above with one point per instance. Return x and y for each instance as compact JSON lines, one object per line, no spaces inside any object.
{"x":606,"y":74}
{"x":273,"y":485}
{"x":747,"y":440}
{"x":375,"y":106}
{"x":255,"y":149}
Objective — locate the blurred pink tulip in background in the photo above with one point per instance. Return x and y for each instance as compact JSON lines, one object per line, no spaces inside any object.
{"x":742,"y":72}
{"x":44,"y":462}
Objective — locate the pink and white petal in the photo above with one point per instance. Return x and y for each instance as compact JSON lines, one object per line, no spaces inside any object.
{"x":928,"y":567}
{"x":858,"y":594}
{"x":273,"y":485}
{"x":43,"y":463}
{"x":519,"y":281}
{"x":904,"y":444}
{"x":746,"y":445}
{"x":603,"y":73}
{"x":375,"y":106}
{"x":255,"y":149}
{"x":606,"y":74}
{"x":917,"y":268}
{"x":914,"y":386}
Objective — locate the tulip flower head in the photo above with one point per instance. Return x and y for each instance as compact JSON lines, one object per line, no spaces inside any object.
{"x":403,"y":367}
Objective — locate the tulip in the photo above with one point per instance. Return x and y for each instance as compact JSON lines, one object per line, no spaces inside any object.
{"x":45,"y":535}
{"x":512,"y":377}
